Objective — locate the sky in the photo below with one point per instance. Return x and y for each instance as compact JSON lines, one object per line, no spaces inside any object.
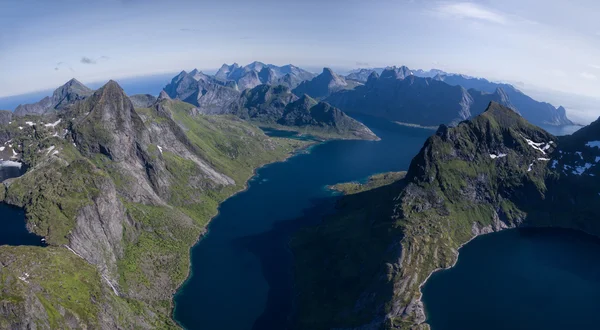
{"x":549,"y":45}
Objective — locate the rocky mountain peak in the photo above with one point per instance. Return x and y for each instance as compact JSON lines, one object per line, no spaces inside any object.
{"x":111,"y":126}
{"x":163,"y":96}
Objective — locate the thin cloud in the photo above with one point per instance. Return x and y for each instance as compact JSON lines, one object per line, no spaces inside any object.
{"x":595,"y":66}
{"x":87,"y":60}
{"x":362,"y":64}
{"x":468,"y":10}
{"x":588,"y":76}
{"x":63,"y":65}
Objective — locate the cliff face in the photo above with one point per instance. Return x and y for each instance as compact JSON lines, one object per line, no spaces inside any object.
{"x":125,"y":192}
{"x":493,"y":172}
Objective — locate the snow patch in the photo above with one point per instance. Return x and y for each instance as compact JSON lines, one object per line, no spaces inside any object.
{"x":493,"y":156}
{"x":544,"y":159}
{"x":49,"y":150}
{"x":554,"y":163}
{"x":530,"y":167}
{"x":54,"y":123}
{"x":9,"y":163}
{"x":540,"y":146}
{"x":20,"y":127}
{"x":30,"y":123}
{"x":580,"y":155}
{"x":160,"y":149}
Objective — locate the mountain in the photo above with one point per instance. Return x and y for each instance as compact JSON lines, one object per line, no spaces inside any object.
{"x":277,"y":106}
{"x":142,"y":100}
{"x":361,"y":75}
{"x":323,"y":85}
{"x":539,"y":113}
{"x":363,"y":266}
{"x":120,"y":195}
{"x":5,"y":117}
{"x":257,"y":73}
{"x":67,"y":94}
{"x":201,"y":90}
{"x":400,"y":96}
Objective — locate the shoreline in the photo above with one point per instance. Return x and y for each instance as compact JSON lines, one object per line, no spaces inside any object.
{"x":245,"y":187}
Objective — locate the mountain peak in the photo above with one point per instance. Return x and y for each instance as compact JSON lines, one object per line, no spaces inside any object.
{"x":328,"y":72}
{"x":163,"y":96}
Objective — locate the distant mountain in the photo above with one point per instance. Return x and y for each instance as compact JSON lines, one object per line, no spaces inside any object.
{"x":323,"y":85}
{"x":398,"y":95}
{"x":142,"y":100}
{"x":361,"y":75}
{"x":257,"y":73}
{"x":67,"y":94}
{"x":277,"y":105}
{"x":201,"y":90}
{"x":539,"y":113}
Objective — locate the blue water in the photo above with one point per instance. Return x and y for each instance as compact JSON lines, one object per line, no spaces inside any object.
{"x":519,"y":279}
{"x":12,"y":219}
{"x":241,"y":270}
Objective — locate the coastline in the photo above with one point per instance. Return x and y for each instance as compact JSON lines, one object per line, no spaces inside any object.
{"x":244,"y":188}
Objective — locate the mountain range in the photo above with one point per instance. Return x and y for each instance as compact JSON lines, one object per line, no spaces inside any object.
{"x":121,"y":187}
{"x":257,"y":73}
{"x":539,"y":113}
{"x":362,"y":267}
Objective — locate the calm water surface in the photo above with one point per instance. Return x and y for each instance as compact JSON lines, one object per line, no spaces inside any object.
{"x":519,"y":279}
{"x":241,"y":270}
{"x":12,"y":219}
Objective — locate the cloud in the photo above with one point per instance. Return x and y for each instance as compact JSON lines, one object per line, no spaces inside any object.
{"x":87,"y":60}
{"x":468,"y":10}
{"x":588,"y":76}
{"x":595,"y":66}
{"x":63,"y":65}
{"x":362,"y":63}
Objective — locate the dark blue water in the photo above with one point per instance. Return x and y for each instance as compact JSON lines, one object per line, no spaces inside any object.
{"x":241,"y":270}
{"x":519,"y":279}
{"x":12,"y":219}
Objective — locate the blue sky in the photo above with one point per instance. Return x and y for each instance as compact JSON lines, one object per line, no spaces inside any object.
{"x":549,"y":45}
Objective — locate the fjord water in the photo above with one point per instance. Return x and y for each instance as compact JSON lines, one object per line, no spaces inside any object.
{"x":519,"y":279}
{"x":241,"y":269}
{"x":12,"y":219}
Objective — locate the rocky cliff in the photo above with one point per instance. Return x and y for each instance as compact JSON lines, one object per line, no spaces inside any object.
{"x":120,"y":195}
{"x":492,"y":172}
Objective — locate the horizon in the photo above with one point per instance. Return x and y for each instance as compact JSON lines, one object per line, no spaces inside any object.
{"x":533,"y":42}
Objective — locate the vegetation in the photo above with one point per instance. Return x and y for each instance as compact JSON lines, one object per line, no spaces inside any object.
{"x":167,"y":195}
{"x":384,"y":241}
